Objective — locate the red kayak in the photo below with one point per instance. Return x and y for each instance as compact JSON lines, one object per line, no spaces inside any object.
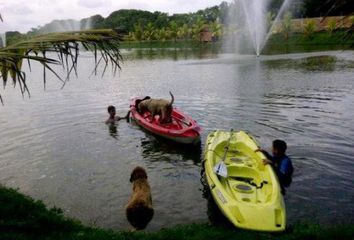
{"x":182,"y":129}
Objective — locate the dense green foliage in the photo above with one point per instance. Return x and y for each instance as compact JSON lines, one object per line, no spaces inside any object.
{"x":162,"y":26}
{"x":316,"y":41}
{"x":23,"y":218}
{"x":139,"y":25}
{"x":125,"y":19}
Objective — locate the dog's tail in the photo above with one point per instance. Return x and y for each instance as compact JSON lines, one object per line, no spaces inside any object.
{"x":172,"y":99}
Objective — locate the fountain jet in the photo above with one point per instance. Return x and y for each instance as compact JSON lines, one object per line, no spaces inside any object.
{"x":3,"y":39}
{"x":67,"y":25}
{"x":249,"y":19}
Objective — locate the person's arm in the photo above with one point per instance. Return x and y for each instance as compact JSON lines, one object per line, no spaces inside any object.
{"x":267,"y":161}
{"x":125,"y":117}
{"x":268,"y":156}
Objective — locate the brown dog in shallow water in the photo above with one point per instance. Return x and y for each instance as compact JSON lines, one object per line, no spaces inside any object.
{"x":160,"y":107}
{"x":139,"y":209}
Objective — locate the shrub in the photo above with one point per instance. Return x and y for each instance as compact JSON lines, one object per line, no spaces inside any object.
{"x":309,"y":29}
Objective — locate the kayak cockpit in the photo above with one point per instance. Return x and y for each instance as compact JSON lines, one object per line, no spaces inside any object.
{"x":246,"y":190}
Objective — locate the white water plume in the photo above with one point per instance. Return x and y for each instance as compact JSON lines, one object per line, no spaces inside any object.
{"x":281,"y":11}
{"x":250,"y":29}
{"x":255,"y":15}
{"x":3,"y":39}
{"x":67,"y":25}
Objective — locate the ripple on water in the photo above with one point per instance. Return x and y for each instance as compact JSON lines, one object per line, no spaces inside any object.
{"x":55,"y":146}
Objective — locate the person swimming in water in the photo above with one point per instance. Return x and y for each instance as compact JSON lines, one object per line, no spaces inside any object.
{"x":112,"y":115}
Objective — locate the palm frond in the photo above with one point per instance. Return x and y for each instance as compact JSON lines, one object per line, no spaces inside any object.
{"x":103,"y":43}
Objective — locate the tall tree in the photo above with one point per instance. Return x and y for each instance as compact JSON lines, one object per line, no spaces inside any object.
{"x":149,"y":32}
{"x":198,"y":27}
{"x":286,"y":24}
{"x":183,"y":31}
{"x":216,"y":29}
{"x":138,"y":32}
{"x":162,"y":34}
{"x":173,"y":30}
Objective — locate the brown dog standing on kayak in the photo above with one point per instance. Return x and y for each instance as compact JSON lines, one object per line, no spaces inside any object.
{"x":139,"y":209}
{"x":160,"y":107}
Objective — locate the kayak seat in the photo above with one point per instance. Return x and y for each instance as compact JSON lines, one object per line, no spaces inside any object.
{"x":243,"y":188}
{"x":237,"y":161}
{"x":243,"y":171}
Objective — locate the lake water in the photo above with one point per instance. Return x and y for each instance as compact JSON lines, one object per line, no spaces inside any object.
{"x":55,"y":146}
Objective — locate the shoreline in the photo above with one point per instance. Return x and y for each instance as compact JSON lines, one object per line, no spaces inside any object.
{"x":25,"y":218}
{"x":277,"y":44}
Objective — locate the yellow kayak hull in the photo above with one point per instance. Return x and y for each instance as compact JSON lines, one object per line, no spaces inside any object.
{"x":249,"y":196}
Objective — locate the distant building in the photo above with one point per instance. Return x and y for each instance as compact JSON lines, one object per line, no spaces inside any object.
{"x":206,"y":35}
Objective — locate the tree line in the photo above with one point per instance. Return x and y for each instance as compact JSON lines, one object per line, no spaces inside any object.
{"x":144,"y":25}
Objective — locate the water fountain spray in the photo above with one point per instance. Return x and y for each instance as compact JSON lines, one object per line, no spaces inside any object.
{"x":249,"y":17}
{"x":3,"y":39}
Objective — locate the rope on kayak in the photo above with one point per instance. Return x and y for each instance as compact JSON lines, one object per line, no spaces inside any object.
{"x":250,"y":181}
{"x":216,"y":153}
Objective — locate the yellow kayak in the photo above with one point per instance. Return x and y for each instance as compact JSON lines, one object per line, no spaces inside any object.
{"x":246,"y":191}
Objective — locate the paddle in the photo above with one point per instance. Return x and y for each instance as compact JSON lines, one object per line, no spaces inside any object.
{"x":220,"y":168}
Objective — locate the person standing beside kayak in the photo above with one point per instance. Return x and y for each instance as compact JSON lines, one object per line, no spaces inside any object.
{"x":280,"y":162}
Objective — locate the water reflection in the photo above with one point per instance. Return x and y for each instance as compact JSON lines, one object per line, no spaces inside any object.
{"x":156,"y":148}
{"x":203,"y":52}
{"x":270,"y":97}
{"x":326,"y":63}
{"x":112,"y":128}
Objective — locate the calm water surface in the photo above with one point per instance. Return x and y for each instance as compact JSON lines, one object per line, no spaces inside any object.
{"x":55,"y":146}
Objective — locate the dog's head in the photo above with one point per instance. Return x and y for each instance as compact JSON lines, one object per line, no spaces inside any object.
{"x":141,"y":107}
{"x":138,"y":173}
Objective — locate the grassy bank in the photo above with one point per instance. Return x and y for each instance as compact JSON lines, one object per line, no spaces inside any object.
{"x":277,"y":44}
{"x":24,"y":218}
{"x":318,"y":41}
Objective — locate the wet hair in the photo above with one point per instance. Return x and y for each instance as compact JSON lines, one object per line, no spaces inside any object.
{"x":110,"y":108}
{"x":279,"y":145}
{"x":137,"y":173}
